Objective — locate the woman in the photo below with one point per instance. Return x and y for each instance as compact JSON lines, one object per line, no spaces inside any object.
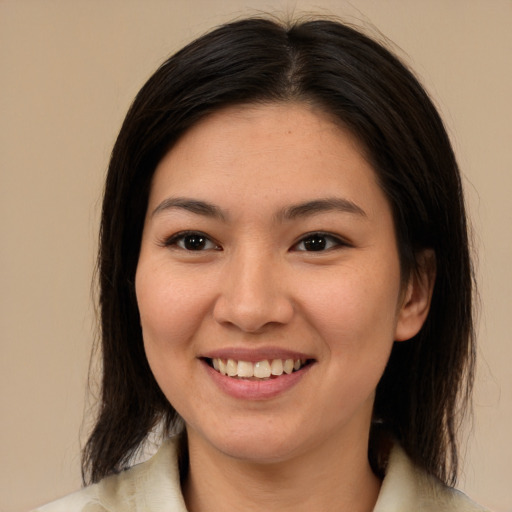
{"x":285,"y":284}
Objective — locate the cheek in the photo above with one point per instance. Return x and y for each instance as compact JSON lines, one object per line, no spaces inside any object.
{"x":355,"y":317}
{"x":171,"y":312}
{"x":356,"y":308}
{"x":170,"y":309}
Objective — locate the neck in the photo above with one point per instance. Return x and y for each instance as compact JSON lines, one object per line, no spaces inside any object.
{"x":324,"y":479}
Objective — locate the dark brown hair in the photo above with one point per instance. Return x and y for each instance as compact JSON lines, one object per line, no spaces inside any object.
{"x":362,"y":85}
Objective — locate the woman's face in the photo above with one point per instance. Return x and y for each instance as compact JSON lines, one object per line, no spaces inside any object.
{"x":268,"y":244}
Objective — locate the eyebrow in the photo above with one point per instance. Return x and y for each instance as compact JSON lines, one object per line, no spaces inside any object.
{"x":309,"y":208}
{"x":318,"y":206}
{"x":190,"y":205}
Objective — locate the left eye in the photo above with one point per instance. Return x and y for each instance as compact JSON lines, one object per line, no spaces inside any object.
{"x":192,"y":241}
{"x":316,"y":242}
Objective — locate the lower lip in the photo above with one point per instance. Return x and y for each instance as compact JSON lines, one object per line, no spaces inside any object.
{"x":245,"y":389}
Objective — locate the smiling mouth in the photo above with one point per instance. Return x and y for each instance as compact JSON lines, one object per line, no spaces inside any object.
{"x":261,"y":370}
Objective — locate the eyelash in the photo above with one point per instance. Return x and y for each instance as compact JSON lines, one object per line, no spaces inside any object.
{"x":324,"y":242}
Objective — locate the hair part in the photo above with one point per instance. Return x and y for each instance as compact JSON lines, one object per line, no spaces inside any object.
{"x":361,"y":85}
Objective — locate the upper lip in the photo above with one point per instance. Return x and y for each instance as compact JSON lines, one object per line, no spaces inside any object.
{"x":253,"y":355}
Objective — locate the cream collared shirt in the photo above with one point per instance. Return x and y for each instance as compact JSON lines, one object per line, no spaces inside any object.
{"x":154,"y":486}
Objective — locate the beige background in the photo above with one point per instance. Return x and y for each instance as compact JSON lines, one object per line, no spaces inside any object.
{"x":68,"y":70}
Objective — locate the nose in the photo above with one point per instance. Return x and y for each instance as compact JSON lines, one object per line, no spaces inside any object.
{"x":253,"y":295}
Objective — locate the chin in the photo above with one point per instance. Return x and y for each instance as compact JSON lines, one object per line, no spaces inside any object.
{"x":252,"y":444}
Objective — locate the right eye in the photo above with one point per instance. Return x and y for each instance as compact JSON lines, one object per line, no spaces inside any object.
{"x":192,"y":241}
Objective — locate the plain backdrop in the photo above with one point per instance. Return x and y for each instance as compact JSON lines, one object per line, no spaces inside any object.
{"x":68,"y":71}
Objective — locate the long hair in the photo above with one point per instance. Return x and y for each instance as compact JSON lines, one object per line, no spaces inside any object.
{"x":363,"y":86}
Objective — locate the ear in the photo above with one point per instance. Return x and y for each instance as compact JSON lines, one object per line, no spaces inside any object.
{"x":416,"y":298}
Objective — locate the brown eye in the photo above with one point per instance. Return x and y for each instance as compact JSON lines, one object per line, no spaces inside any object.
{"x":316,"y":242}
{"x":192,"y":241}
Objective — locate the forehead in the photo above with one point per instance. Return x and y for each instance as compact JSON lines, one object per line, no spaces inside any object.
{"x":285,"y":152}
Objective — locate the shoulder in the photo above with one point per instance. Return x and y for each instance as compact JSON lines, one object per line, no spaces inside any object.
{"x":406,"y":487}
{"x":81,"y":501}
{"x":148,"y":486}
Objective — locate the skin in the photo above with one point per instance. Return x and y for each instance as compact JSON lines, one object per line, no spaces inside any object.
{"x":254,"y":286}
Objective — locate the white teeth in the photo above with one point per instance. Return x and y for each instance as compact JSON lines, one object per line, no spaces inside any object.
{"x":261,"y":370}
{"x":288,"y":366}
{"x":231,"y":367}
{"x":245,"y":369}
{"x":276,"y":368}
